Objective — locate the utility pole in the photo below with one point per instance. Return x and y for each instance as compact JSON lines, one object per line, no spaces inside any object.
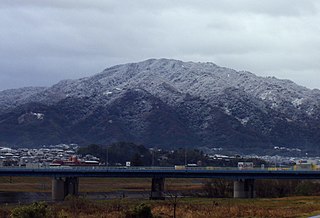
{"x":153,"y":157}
{"x":185,"y":156}
{"x":107,"y":156}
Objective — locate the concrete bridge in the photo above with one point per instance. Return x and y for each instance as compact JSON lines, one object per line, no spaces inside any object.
{"x":65,"y":180}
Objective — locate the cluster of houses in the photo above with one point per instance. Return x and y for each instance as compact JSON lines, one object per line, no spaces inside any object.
{"x":66,"y":155}
{"x":53,"y":155}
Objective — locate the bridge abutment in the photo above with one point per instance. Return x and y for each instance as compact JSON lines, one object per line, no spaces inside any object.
{"x":243,"y":188}
{"x":157,"y":189}
{"x":61,"y":187}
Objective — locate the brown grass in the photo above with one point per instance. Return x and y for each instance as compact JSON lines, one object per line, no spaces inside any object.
{"x":186,"y":207}
{"x":192,"y":207}
{"x":195,"y":207}
{"x":39,"y":184}
{"x":25,"y":184}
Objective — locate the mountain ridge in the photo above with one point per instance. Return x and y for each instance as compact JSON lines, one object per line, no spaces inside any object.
{"x":201,"y":99}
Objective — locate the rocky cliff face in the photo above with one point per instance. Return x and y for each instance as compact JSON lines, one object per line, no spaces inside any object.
{"x":165,"y":103}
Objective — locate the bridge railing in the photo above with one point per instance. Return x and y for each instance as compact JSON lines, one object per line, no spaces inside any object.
{"x":153,"y":168}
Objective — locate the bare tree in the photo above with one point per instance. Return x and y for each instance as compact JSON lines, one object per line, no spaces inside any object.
{"x":173,"y":198}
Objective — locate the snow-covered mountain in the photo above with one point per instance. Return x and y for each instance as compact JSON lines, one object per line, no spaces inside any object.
{"x":15,"y":97}
{"x":165,"y":102}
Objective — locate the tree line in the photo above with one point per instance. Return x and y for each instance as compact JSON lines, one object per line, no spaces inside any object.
{"x":139,"y":155}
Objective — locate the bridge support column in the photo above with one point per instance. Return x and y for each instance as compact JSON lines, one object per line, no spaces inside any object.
{"x":58,"y":191}
{"x":72,"y":185}
{"x":157,"y":189}
{"x":243,"y":188}
{"x":61,"y":187}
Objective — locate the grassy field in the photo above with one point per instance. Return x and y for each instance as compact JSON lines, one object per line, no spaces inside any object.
{"x":25,"y":184}
{"x":30,"y":184}
{"x":186,"y":207}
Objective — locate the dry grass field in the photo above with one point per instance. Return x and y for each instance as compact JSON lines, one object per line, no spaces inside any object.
{"x":186,"y":207}
{"x":195,"y":207}
{"x":30,"y":184}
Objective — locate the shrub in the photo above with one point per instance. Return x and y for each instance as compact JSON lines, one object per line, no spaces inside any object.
{"x":35,"y":210}
{"x":218,"y":188}
{"x":78,"y":204}
{"x":140,"y":211}
{"x":307,"y":188}
{"x":275,"y":188}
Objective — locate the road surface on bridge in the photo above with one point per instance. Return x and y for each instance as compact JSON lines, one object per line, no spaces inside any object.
{"x":163,"y":172}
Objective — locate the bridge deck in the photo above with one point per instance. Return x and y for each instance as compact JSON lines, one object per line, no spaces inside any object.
{"x":165,"y":172}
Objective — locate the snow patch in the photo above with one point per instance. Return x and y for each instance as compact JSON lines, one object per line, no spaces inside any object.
{"x":227,"y":111}
{"x":289,"y":120}
{"x":297,"y":102}
{"x":243,"y":121}
{"x":39,"y":116}
{"x":310,"y":111}
{"x":274,"y":105}
{"x":107,"y":93}
{"x":267,"y":96}
{"x":205,"y":125}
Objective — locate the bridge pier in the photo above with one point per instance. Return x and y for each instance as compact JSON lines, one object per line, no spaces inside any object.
{"x":61,"y":187}
{"x":243,"y":188}
{"x":58,"y":189}
{"x":72,"y":186}
{"x":157,"y":189}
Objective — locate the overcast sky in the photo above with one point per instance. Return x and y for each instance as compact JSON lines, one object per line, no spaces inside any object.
{"x":42,"y":41}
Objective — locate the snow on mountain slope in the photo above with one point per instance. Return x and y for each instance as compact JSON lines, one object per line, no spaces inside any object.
{"x":250,"y":109}
{"x":14,"y":97}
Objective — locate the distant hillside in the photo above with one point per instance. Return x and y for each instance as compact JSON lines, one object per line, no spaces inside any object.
{"x":165,"y":103}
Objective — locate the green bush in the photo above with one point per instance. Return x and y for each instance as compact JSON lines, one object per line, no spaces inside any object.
{"x":35,"y":210}
{"x":140,"y":211}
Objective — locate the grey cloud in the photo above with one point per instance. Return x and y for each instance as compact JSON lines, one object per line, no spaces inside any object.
{"x":272,"y":7}
{"x":45,"y":41}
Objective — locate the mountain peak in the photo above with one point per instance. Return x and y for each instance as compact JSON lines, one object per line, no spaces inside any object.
{"x":200,"y":103}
